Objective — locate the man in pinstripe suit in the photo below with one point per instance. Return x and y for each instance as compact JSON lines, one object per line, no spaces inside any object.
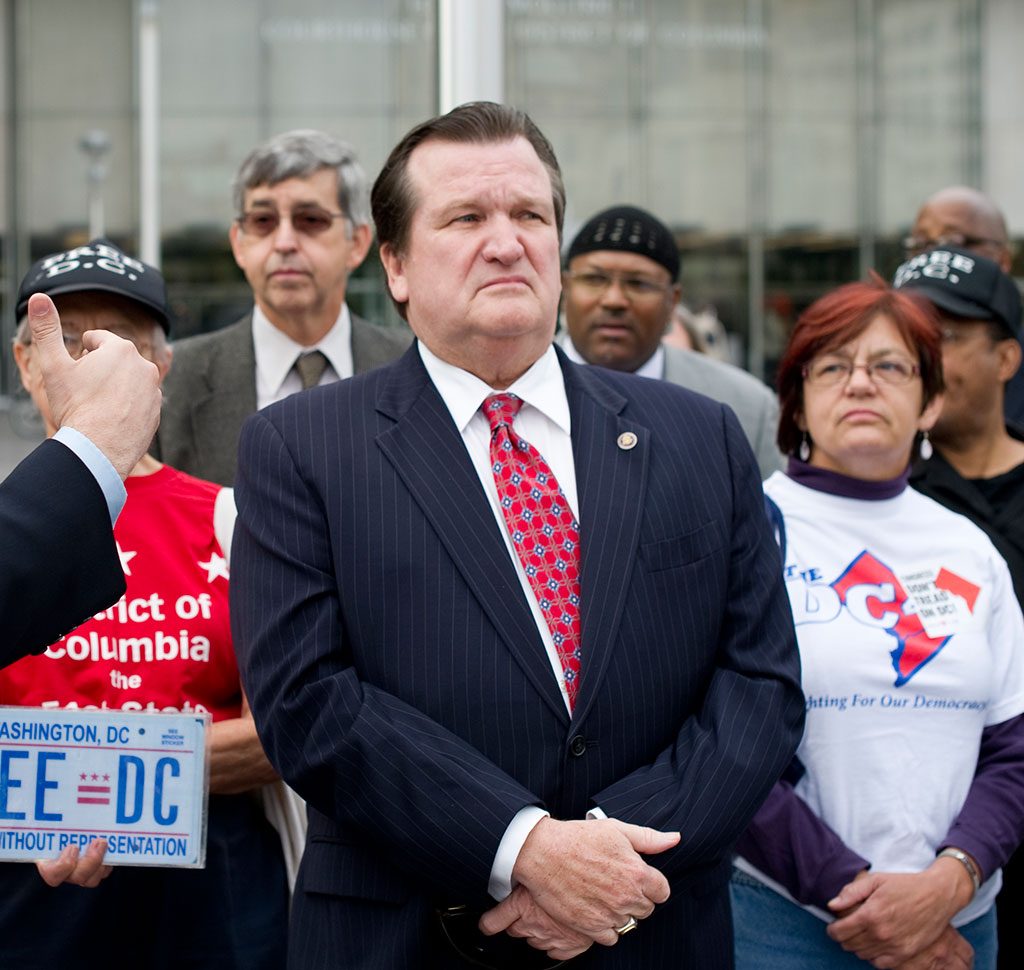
{"x":405,"y":674}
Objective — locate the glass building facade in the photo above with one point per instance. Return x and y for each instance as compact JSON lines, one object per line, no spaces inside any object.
{"x":788,"y":143}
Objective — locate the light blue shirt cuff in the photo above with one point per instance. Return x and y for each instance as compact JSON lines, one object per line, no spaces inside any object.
{"x":500,"y":883}
{"x":99,"y":465}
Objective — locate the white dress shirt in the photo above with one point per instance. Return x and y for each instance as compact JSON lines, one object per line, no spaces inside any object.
{"x":544,"y":422}
{"x":276,"y":354}
{"x":653,"y":367}
{"x":99,"y":466}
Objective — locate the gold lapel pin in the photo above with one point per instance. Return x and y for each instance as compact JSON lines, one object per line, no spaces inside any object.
{"x":627,"y":440}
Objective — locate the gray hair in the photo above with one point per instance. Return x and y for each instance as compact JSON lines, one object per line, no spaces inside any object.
{"x":298,"y":154}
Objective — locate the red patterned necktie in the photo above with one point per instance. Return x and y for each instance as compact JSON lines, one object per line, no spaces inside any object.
{"x":544,"y":532}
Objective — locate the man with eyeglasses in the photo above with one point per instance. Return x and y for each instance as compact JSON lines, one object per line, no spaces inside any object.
{"x":977,"y":468}
{"x":961,"y":216}
{"x":619,"y":290}
{"x":303,"y":225}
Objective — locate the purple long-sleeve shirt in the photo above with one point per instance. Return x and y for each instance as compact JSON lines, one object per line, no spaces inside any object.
{"x":797,"y":849}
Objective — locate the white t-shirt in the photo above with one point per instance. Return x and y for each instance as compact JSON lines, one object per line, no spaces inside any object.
{"x":912,"y":642}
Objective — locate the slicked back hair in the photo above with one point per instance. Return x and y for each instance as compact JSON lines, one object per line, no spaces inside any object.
{"x":478,"y":122}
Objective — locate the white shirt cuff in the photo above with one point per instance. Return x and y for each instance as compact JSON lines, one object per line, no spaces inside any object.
{"x":500,"y":883}
{"x":596,"y":812}
{"x":99,"y":465}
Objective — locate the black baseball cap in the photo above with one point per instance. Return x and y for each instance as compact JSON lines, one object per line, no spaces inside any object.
{"x":97,"y":266}
{"x":963,"y":284}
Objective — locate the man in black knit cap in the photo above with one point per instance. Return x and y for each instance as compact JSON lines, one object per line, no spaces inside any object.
{"x":619,"y":289}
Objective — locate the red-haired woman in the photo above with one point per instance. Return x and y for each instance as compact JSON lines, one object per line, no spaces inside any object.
{"x":908,"y":790}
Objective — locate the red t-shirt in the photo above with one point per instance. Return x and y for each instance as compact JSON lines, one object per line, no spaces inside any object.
{"x":166,"y":644}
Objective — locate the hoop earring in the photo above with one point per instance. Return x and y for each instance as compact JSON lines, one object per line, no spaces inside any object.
{"x":804,"y":451}
{"x":925,"y":449}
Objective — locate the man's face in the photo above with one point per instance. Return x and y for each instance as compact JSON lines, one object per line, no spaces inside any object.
{"x":480,"y":270}
{"x":975,"y":366}
{"x":617,"y":306}
{"x":295,"y":251}
{"x":955,"y":221}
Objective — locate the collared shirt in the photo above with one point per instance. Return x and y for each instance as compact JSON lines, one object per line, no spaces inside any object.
{"x":99,"y":466}
{"x":653,"y":367}
{"x":543,"y":421}
{"x":276,"y":354}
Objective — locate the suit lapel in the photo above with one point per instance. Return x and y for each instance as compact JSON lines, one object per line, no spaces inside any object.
{"x":428,"y":453}
{"x":611,"y":481}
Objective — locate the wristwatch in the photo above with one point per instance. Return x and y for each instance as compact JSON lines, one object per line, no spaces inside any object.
{"x":966,"y":861}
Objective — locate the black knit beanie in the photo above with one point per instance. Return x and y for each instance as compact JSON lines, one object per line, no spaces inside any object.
{"x":624,"y":228}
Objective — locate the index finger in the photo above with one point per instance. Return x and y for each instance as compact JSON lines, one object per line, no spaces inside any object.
{"x":655,"y":886}
{"x":93,"y":339}
{"x":854,"y":930}
{"x":91,"y":871}
{"x":499,"y":917}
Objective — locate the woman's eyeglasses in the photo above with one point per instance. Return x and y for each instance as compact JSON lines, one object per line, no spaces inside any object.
{"x":832,"y":371}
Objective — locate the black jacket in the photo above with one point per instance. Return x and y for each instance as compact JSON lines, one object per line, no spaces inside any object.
{"x":58,"y":561}
{"x":938,"y":479}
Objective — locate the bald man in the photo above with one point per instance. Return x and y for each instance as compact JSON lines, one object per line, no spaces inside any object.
{"x":961,"y":216}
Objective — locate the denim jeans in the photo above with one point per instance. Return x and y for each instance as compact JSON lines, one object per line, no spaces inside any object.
{"x":774,"y":934}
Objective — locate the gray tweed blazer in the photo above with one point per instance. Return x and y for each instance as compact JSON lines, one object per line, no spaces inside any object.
{"x":211,"y":390}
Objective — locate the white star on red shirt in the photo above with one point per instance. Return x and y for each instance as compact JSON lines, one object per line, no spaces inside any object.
{"x":217,"y":566}
{"x":126,"y":557}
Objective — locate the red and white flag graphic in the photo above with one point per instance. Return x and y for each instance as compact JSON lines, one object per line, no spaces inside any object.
{"x":93,"y":789}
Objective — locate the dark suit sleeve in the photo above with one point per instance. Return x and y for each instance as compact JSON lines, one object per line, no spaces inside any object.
{"x":727,"y":755}
{"x":58,"y":563}
{"x":412,"y":790}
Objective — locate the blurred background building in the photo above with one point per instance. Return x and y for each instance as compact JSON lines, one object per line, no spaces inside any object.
{"x":787,"y":142}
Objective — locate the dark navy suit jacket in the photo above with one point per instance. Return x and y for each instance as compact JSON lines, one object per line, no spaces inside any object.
{"x":400,"y":685}
{"x":58,"y":561}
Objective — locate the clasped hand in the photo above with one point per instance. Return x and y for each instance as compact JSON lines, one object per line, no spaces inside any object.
{"x":579,"y":881}
{"x":901,"y":920}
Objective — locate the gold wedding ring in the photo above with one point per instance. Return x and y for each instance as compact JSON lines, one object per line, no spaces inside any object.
{"x":628,"y":927}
